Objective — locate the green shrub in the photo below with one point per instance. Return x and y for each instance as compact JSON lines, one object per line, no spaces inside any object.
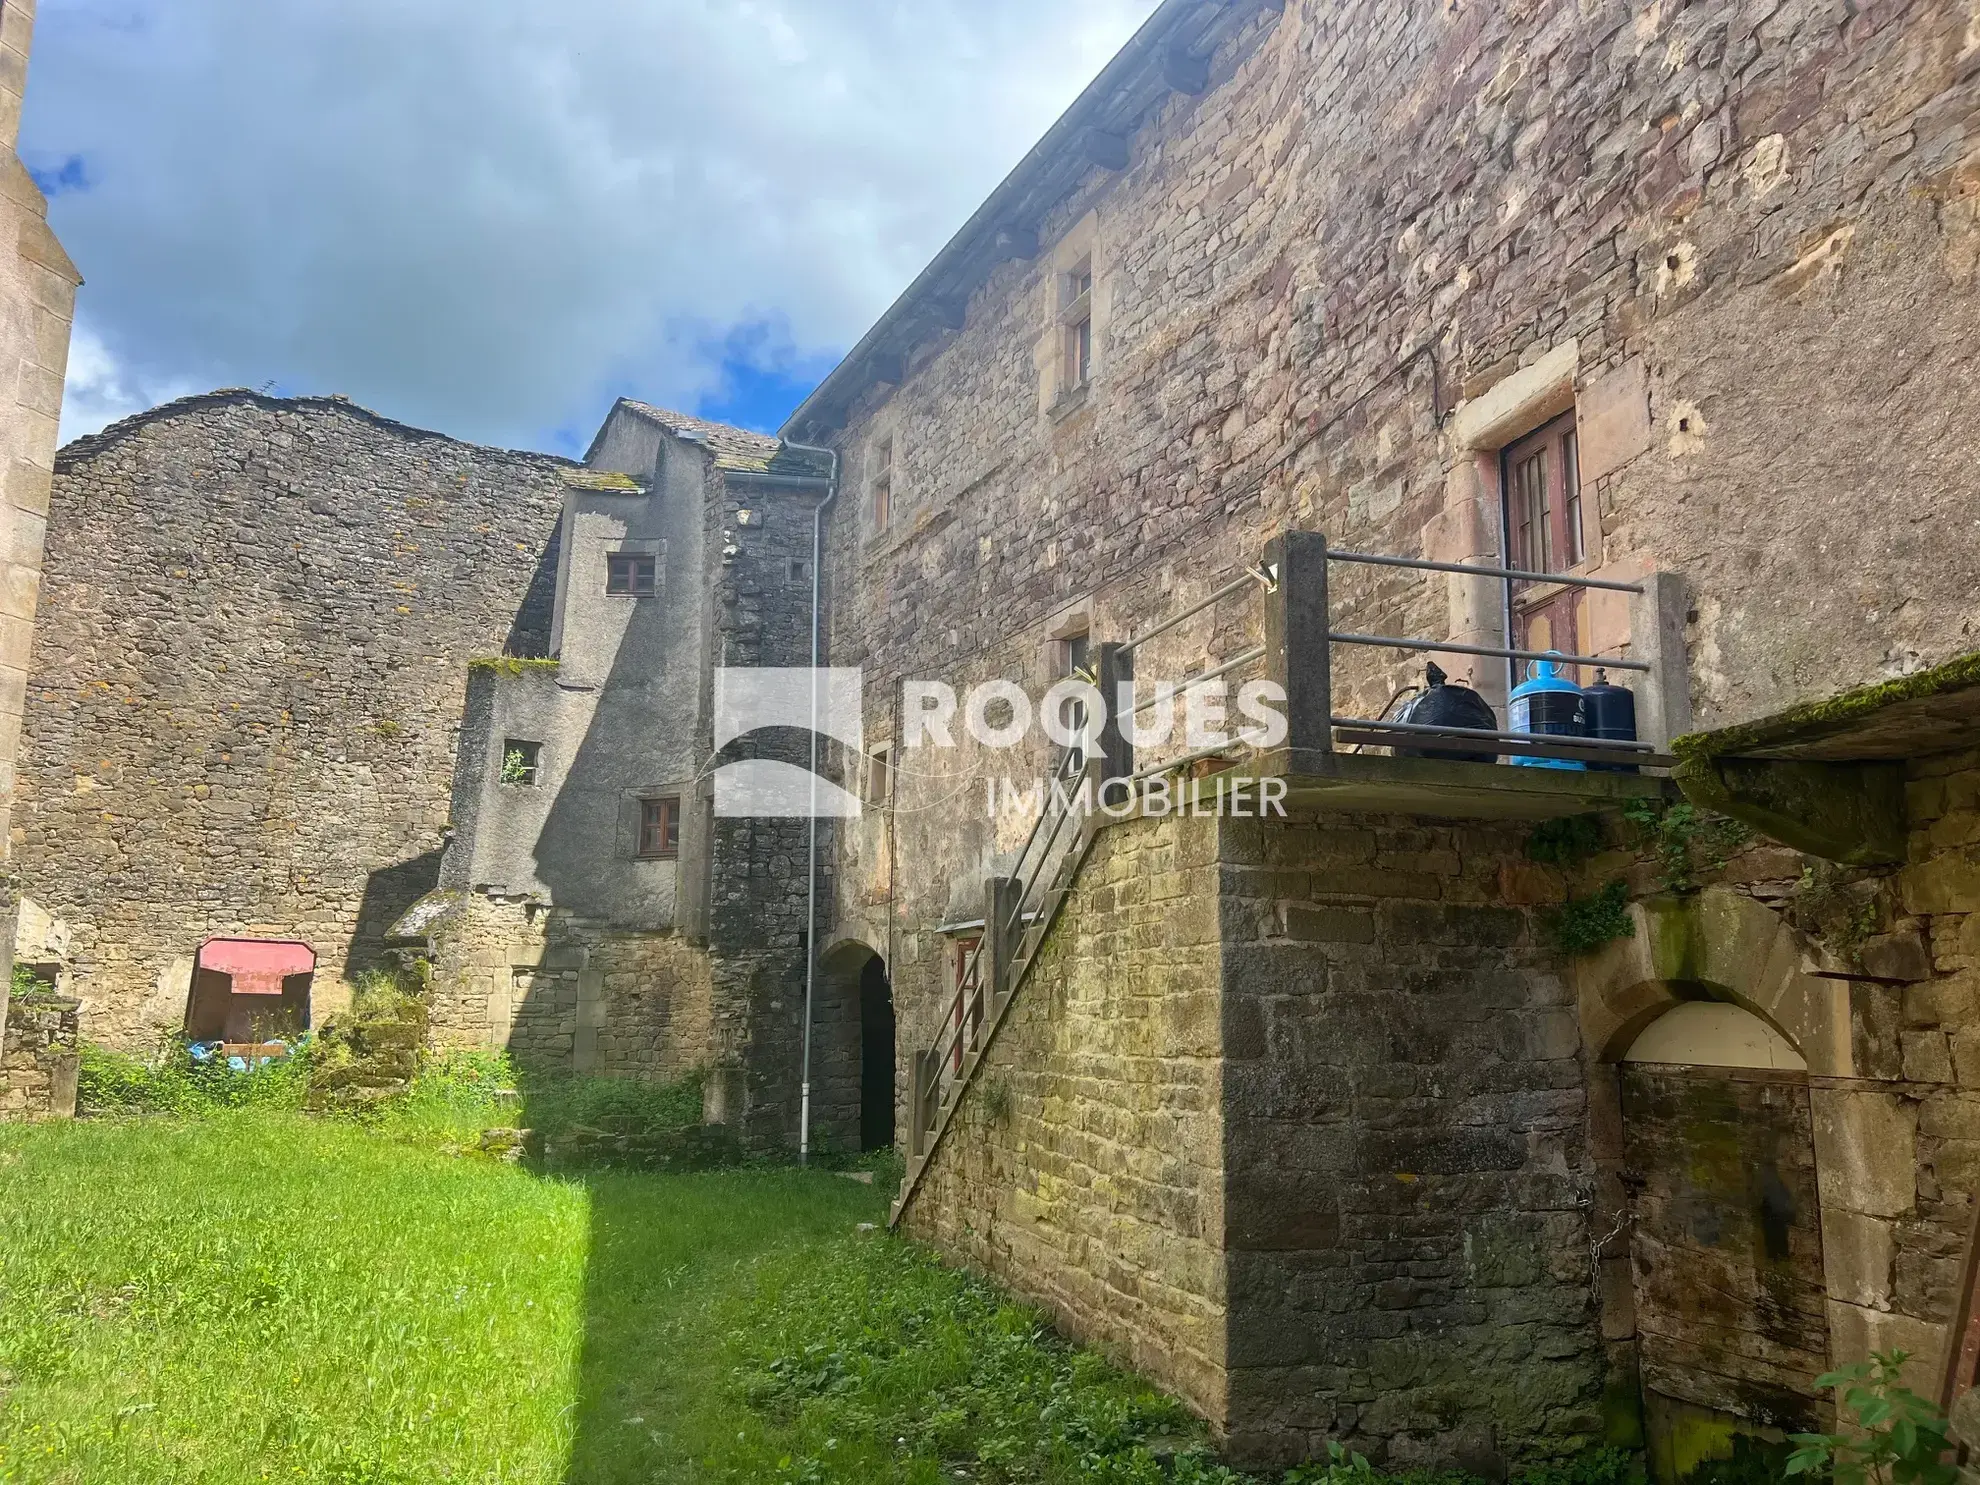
{"x":1898,"y":1437}
{"x":175,"y":1082}
{"x":554,"y":1105}
{"x":1582,"y":925}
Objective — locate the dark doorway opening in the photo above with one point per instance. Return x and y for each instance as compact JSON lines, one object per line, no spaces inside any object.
{"x":876,"y":1057}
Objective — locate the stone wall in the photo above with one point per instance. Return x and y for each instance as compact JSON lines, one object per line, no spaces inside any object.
{"x":39,"y":1064}
{"x":1869,"y":974}
{"x":1388,"y":239}
{"x":564,"y":995}
{"x":1291,"y":1117}
{"x":1407,"y":1176}
{"x":757,"y":933}
{"x":245,"y":723}
{"x":1085,"y":1167}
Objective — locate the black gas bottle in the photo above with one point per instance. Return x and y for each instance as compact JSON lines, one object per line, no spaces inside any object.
{"x":1441,"y":704}
{"x":1610,"y":712}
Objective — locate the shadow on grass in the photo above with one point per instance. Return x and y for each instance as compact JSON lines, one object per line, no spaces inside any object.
{"x":671,"y":1259}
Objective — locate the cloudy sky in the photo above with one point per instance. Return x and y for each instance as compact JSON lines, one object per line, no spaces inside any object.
{"x":492,"y":216}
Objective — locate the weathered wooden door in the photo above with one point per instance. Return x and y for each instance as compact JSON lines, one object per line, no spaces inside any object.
{"x":1726,"y":1249}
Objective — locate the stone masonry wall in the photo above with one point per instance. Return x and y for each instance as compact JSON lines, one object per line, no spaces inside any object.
{"x":1744,"y":235}
{"x":563,"y":995}
{"x":757,"y":936}
{"x":256,"y":621}
{"x":1407,"y":1180}
{"x":1873,"y":975}
{"x":38,"y":1065}
{"x":37,"y":302}
{"x":1085,"y":1166}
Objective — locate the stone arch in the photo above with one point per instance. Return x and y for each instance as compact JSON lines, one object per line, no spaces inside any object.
{"x":1723,"y":946}
{"x":853,"y":1055}
{"x":1704,"y":1122}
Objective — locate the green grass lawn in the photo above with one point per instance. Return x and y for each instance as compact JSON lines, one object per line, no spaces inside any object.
{"x":258,"y":1296}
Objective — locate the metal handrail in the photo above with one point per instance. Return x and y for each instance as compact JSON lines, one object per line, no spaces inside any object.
{"x":1578,"y":740}
{"x":1451,"y":647}
{"x":1170,"y":693}
{"x":1263,"y":576}
{"x":1426,"y":565}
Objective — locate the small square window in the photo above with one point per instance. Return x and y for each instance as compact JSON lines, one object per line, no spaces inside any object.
{"x":660,"y":828}
{"x":630,"y":573}
{"x":522,"y":762}
{"x":800,"y":570}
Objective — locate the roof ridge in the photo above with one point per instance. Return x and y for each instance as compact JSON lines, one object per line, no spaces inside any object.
{"x":89,"y":445}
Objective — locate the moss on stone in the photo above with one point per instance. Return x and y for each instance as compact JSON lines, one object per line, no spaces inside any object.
{"x":512,"y":665}
{"x":1832,"y":712}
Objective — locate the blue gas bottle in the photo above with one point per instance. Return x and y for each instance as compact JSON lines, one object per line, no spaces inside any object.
{"x":1548,"y":703}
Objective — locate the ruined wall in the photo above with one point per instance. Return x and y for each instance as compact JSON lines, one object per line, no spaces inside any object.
{"x":1407,"y":1178}
{"x":37,"y":302}
{"x":1742,"y":239}
{"x":563,"y":995}
{"x":39,"y":1064}
{"x":256,"y":623}
{"x":1085,"y":1166}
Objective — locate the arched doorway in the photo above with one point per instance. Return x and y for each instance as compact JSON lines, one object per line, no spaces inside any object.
{"x":853,"y":1055}
{"x":1726,"y":1237}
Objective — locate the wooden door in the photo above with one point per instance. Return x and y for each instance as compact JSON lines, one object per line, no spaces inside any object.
{"x":1726,"y":1245}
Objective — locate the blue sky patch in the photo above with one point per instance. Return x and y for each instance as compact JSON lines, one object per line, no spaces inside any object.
{"x":58,"y":180}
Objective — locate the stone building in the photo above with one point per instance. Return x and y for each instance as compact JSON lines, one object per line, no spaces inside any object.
{"x":594,"y":912}
{"x":37,"y":303}
{"x":247,"y":687}
{"x":1322,"y":1118}
{"x":349,"y":692}
{"x":1312,"y":1119}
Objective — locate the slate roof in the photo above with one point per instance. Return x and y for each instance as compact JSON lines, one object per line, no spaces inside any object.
{"x":735,"y":448}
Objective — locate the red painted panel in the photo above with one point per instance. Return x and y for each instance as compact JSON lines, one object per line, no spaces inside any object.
{"x":257,"y":965}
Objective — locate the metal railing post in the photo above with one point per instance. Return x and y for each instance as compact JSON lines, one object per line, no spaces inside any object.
{"x":1116,"y":684}
{"x":1296,"y":646}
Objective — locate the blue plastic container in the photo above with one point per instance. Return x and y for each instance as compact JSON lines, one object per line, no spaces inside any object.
{"x":1547,"y":703}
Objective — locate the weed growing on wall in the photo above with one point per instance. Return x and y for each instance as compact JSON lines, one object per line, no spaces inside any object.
{"x":1568,"y":842}
{"x":1582,"y":925}
{"x":1684,"y":840}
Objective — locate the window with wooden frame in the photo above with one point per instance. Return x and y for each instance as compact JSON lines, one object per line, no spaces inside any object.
{"x":660,"y":828}
{"x":631,"y":574}
{"x":1076,"y":332}
{"x":1541,"y":478}
{"x":880,"y":501}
